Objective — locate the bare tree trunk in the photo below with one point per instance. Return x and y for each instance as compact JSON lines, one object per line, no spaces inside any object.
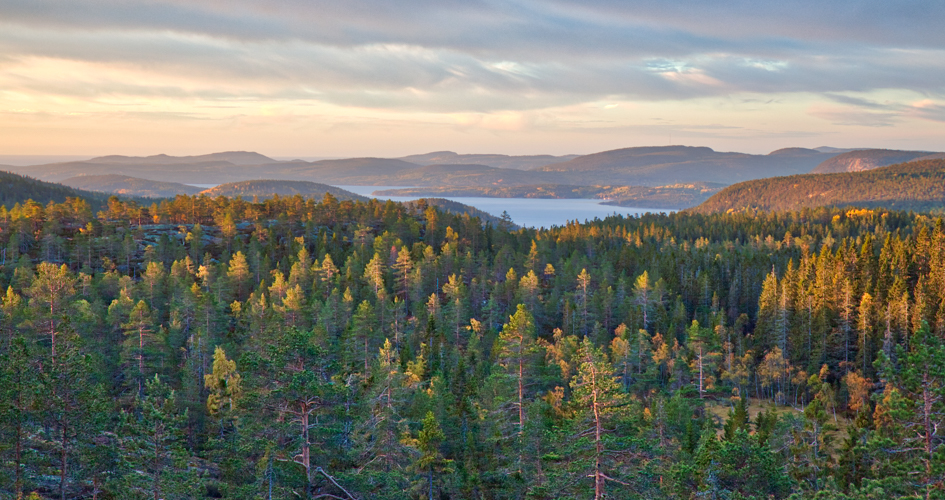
{"x":18,"y":454}
{"x":306,"y":451}
{"x":521,"y":392}
{"x":598,"y":444}
{"x":929,"y":431}
{"x":63,"y":462}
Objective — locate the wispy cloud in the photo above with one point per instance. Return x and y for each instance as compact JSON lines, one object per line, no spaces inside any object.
{"x":854,"y":63}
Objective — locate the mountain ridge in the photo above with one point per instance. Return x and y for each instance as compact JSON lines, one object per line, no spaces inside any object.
{"x":640,"y":166}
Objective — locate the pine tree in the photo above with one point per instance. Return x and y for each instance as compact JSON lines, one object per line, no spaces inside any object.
{"x":49,"y":294}
{"x":151,"y":440}
{"x":224,"y":384}
{"x":514,"y":351}
{"x":598,"y":399}
{"x":430,"y":460}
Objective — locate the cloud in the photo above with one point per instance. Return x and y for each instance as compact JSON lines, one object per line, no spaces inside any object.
{"x":523,"y":54}
{"x":498,"y":66}
{"x":928,"y":110}
{"x":848,"y":116}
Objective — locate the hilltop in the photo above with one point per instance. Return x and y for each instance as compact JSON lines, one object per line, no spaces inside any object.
{"x":918,"y":185}
{"x":268,"y":188}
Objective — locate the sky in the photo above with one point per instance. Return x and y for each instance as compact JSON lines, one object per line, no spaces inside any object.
{"x":312,"y":78}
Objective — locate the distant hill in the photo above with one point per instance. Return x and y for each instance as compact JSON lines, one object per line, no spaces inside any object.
{"x":467,"y":175}
{"x":205,"y":172}
{"x":351,"y":171}
{"x":866,"y":159}
{"x":220,"y":168}
{"x":234,"y":157}
{"x":131,"y":186}
{"x":653,"y":166}
{"x":526,"y":162}
{"x":268,"y":188}
{"x":918,"y":186}
{"x":657,"y":166}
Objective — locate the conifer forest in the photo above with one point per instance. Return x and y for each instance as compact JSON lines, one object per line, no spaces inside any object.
{"x":207,"y":347}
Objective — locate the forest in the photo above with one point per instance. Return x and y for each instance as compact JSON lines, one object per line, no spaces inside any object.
{"x":300,"y":349}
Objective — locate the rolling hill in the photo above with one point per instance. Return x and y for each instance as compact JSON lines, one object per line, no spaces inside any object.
{"x":918,"y":186}
{"x":222,"y":168}
{"x":526,"y":162}
{"x":652,"y":166}
{"x":131,"y":186}
{"x":866,"y":159}
{"x":268,"y":188}
{"x":667,"y":165}
{"x":234,"y":157}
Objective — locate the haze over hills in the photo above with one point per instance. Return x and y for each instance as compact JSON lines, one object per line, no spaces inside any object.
{"x":526,"y":162}
{"x":218,"y":168}
{"x":917,"y":185}
{"x":647,"y":166}
{"x":234,"y":157}
{"x":867,"y":159}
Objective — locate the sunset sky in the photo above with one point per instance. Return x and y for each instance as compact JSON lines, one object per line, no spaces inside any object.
{"x":310,"y":78}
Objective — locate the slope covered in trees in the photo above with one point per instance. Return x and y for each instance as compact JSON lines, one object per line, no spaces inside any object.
{"x":266,"y":188}
{"x":131,"y":186}
{"x":918,"y":185}
{"x":18,"y":189}
{"x":218,"y":348}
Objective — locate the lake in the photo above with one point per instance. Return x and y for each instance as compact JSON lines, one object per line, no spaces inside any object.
{"x":527,"y":212}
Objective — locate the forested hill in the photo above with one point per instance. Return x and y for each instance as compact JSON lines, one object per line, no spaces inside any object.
{"x":18,"y":189}
{"x":918,"y":185}
{"x":268,"y":188}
